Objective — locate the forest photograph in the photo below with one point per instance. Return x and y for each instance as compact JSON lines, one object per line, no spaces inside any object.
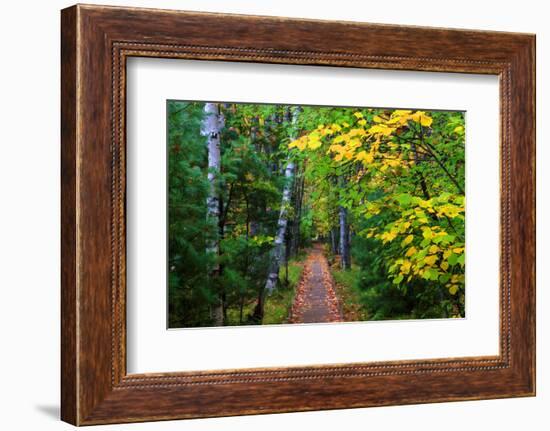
{"x":289,"y":214}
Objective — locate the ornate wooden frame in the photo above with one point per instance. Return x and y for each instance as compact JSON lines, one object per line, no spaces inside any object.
{"x":95,"y":42}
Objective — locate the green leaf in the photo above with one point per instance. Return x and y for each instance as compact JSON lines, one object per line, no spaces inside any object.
{"x":444,"y":278}
{"x":452,"y":259}
{"x":404,"y":199}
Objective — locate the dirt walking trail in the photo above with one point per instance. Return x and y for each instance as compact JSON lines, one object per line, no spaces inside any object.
{"x":316,"y":300}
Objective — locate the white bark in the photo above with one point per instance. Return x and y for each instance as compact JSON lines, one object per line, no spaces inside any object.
{"x":211,"y":127}
{"x":278,"y":245}
{"x":334,"y":240}
{"x":345,"y":256}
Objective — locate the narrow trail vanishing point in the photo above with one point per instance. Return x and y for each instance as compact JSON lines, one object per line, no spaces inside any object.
{"x":316,"y":300}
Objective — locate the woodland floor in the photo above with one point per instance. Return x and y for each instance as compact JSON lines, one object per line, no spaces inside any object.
{"x":316,"y":300}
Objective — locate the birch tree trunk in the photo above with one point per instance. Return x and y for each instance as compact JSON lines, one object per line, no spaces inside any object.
{"x":345,"y":257}
{"x":211,"y":127}
{"x":299,"y":181}
{"x":334,"y":240}
{"x":279,"y":242}
{"x":278,"y":245}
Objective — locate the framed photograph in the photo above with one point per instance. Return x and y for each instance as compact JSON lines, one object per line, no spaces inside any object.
{"x":264,"y":215}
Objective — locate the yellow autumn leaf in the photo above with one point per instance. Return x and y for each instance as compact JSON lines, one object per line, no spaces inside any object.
{"x":433,"y":249}
{"x":450,"y":210}
{"x":381,"y":129}
{"x":399,"y":117}
{"x":422,"y":118}
{"x":388,"y":236}
{"x":408,"y":239}
{"x":427,"y":233}
{"x":337,"y":148}
{"x":426,"y":121}
{"x":393,"y":162}
{"x":453,"y":289}
{"x":401,"y":112}
{"x":424,"y":203}
{"x":354,"y":143}
{"x":357,"y":132}
{"x":430,"y":260}
{"x":298,"y":143}
{"x":457,"y":278}
{"x":314,"y":144}
{"x":362,"y":122}
{"x":377,"y":119}
{"x":357,"y":115}
{"x":301,"y":144}
{"x":363,"y":156}
{"x":444,"y":265}
{"x":405,"y":267}
{"x":410,"y":251}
